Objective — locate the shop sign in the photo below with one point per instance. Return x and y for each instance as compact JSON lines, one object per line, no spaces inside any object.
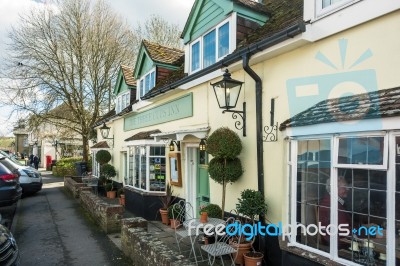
{"x":170,"y":111}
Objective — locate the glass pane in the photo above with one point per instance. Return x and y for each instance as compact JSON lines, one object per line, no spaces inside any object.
{"x":361,"y":150}
{"x":209,"y":49}
{"x":152,"y":79}
{"x":196,"y":56}
{"x":147,"y":83}
{"x":157,"y":173}
{"x":362,"y":204}
{"x":223,"y":40}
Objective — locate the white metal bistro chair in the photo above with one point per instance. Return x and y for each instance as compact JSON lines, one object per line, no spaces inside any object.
{"x":183,"y":211}
{"x":222,"y":245}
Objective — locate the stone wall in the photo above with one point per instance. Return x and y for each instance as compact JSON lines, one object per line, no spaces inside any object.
{"x":144,"y":248}
{"x":108,"y":216}
{"x":74,"y":187}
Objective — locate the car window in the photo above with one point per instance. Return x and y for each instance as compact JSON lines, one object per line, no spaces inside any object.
{"x":15,"y":161}
{"x":7,"y":163}
{"x":4,"y":169}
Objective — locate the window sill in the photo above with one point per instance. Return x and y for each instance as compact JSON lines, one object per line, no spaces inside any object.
{"x":307,"y":254}
{"x":144,"y":192}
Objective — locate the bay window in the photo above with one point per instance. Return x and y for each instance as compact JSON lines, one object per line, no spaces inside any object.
{"x":147,"y":167}
{"x":211,"y":47}
{"x":342,"y":181}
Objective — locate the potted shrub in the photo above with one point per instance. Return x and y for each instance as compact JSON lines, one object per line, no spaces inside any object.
{"x":224,"y":145}
{"x":173,"y":213}
{"x":108,"y":171}
{"x":166,"y":201}
{"x":110,"y":190}
{"x":251,"y":204}
{"x":213,"y":211}
{"x":121,"y":196}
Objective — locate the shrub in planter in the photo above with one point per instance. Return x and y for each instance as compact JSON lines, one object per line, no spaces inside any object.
{"x":103,"y":156}
{"x":166,"y":201}
{"x":252,"y":203}
{"x":213,"y":210}
{"x":173,"y":212}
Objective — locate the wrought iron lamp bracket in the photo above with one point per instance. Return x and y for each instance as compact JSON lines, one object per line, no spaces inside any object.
{"x":271,"y":133}
{"x":235,"y":113}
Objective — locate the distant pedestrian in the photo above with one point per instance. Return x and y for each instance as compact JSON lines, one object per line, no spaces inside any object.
{"x":36,"y":161}
{"x":31,"y":160}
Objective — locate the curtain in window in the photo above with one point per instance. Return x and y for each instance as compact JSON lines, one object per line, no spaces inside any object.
{"x":223,"y":40}
{"x":209,"y":49}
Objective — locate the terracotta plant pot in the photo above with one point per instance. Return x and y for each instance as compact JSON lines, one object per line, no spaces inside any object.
{"x":175,"y":223}
{"x":111,"y":194}
{"x":243,"y":248}
{"x":203,"y":217}
{"x":253,"y":258}
{"x":122,"y":200}
{"x":164,"y":216}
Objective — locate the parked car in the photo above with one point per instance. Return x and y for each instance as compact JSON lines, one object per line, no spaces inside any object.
{"x":10,"y":189}
{"x":9,"y":252}
{"x":30,"y":179}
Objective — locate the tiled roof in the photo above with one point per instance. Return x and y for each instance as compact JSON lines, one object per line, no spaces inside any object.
{"x":258,"y":7}
{"x":100,"y":145}
{"x":105,"y":117}
{"x":283,"y":13}
{"x":128,"y":75}
{"x":163,"y":54}
{"x":171,"y":78}
{"x":143,"y":135}
{"x":377,"y":104}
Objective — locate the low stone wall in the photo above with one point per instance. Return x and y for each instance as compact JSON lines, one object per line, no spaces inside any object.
{"x":144,"y":248}
{"x":74,"y":185}
{"x":108,"y":216}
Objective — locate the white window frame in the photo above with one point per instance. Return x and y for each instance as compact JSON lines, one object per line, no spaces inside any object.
{"x":147,"y":177}
{"x":232,"y":42}
{"x":389,"y":163}
{"x":330,"y":9}
{"x":119,"y":102}
{"x":142,"y":80}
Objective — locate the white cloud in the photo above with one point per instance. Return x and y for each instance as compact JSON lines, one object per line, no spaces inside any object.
{"x":134,"y":11}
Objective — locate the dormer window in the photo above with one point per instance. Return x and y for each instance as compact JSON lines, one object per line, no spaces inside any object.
{"x":122,"y":101}
{"x":211,"y":47}
{"x":147,"y":82}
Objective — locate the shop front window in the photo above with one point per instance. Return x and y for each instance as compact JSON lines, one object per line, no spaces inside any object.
{"x":342,"y":182}
{"x":147,"y":167}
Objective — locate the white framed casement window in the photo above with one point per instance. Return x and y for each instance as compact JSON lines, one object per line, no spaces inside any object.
{"x":147,"y":167}
{"x":147,"y":82}
{"x":122,"y":101}
{"x":346,"y":180}
{"x":324,"y":7}
{"x":214,"y":45}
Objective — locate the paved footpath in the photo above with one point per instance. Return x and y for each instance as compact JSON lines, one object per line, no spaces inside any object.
{"x":51,"y":229}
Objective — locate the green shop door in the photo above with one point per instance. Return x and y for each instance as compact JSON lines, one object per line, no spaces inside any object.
{"x":203,"y":183}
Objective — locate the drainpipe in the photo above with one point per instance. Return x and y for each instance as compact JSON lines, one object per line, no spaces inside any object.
{"x":260,"y":152}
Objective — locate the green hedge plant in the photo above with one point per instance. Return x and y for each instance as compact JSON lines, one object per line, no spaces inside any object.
{"x":103,"y":157}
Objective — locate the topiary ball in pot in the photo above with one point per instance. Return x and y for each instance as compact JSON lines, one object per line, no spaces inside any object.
{"x":224,"y":143}
{"x":108,"y":171}
{"x":251,"y":203}
{"x":103,"y":156}
{"x":225,"y":170}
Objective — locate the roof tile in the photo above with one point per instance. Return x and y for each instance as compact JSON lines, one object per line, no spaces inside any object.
{"x":128,"y":75}
{"x":377,"y":104}
{"x":163,"y":54}
{"x":143,"y":135}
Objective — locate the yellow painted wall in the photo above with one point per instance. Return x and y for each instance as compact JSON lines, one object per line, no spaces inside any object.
{"x":380,"y":36}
